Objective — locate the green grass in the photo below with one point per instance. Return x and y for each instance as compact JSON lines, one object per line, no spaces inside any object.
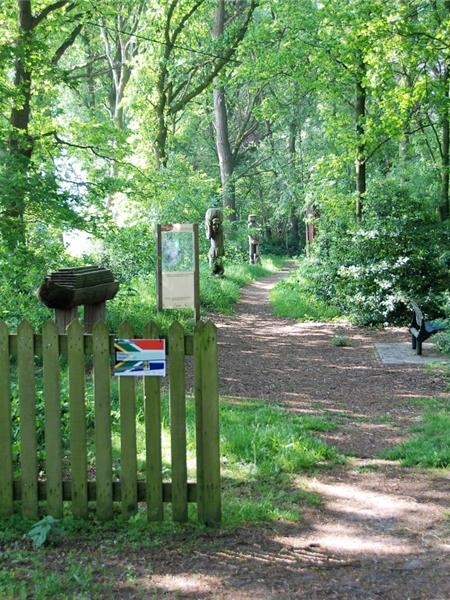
{"x":340,"y":341}
{"x":430,"y":446}
{"x":28,"y":576}
{"x":293,"y":299}
{"x":263,"y":449}
{"x":137,"y":302}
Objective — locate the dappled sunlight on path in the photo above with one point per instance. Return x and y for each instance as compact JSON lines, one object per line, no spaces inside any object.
{"x":378,"y":533}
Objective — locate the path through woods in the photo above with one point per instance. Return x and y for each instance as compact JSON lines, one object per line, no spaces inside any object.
{"x":381,"y":530}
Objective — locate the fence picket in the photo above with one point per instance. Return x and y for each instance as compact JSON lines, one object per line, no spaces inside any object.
{"x":6,"y":472}
{"x":198,"y":338}
{"x":103,"y":445}
{"x":77,"y":419}
{"x":52,"y":403}
{"x":153,"y":455}
{"x":128,"y":451}
{"x":27,"y":412}
{"x":210,"y":443}
{"x":178,"y":422}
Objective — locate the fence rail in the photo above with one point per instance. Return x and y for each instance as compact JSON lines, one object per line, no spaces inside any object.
{"x":66,"y":473}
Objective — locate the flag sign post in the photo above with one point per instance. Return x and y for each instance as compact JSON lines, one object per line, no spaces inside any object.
{"x":178,"y":267}
{"x":140,"y":358}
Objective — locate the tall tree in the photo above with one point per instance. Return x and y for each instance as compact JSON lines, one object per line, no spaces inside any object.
{"x":121,"y":46}
{"x":21,"y":141}
{"x":179,"y":81}
{"x":224,"y":153}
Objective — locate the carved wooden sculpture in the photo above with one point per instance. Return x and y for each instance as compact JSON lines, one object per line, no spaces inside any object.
{"x":254,"y":238}
{"x":214,"y":233}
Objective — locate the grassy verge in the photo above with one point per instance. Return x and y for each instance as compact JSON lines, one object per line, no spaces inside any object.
{"x":430,"y":444}
{"x":263,"y":448}
{"x":293,"y":298}
{"x":137,"y":302}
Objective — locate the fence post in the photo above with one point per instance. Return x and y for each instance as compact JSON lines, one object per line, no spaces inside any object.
{"x":178,"y":422}
{"x":52,"y":401}
{"x":210,"y":441}
{"x":103,"y":444}
{"x":128,"y":450}
{"x":6,"y":472}
{"x":77,"y":418}
{"x":153,"y":457}
{"x":198,"y":337}
{"x":27,"y":411}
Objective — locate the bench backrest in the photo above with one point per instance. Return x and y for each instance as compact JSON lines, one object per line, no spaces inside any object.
{"x":418,"y":312}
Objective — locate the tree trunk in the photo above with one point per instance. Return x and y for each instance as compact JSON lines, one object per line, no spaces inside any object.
{"x":224,"y":153}
{"x":161,"y":140}
{"x":20,"y":144}
{"x":226,"y":162}
{"x":293,"y":218}
{"x":360,"y":163}
{"x":445,"y":163}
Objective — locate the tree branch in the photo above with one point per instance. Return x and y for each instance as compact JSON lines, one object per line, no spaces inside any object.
{"x":179,"y":28}
{"x":66,"y":44}
{"x":436,"y":135}
{"x":94,"y":151}
{"x":49,"y":9}
{"x":220,"y":64}
{"x":87,"y":63}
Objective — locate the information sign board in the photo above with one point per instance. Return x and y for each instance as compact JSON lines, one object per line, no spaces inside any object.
{"x":178,"y":269}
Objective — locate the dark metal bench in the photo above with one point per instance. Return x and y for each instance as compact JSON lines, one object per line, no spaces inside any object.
{"x":421,"y":329}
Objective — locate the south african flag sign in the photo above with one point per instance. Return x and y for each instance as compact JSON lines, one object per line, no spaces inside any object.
{"x":140,"y":358}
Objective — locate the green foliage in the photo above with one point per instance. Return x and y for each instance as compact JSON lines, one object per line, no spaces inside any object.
{"x":271,"y":440}
{"x":44,"y":530}
{"x":130,"y":252}
{"x":21,"y":273}
{"x":294,"y":298}
{"x":430,"y":447}
{"x":370,"y":270}
{"x":339,"y":341}
{"x":442,"y":339}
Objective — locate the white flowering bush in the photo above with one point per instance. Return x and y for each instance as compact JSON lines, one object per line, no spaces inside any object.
{"x":398,"y":251}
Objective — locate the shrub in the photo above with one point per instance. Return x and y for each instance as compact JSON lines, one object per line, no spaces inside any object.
{"x":370,"y":269}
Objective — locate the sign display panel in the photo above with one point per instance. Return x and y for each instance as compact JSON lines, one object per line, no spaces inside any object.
{"x":139,"y":358}
{"x":177,"y":251}
{"x":178,"y":276}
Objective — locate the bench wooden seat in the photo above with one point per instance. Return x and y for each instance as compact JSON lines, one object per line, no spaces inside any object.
{"x":421,"y":329}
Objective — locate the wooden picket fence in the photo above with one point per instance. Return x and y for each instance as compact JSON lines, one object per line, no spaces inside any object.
{"x":46,"y":493}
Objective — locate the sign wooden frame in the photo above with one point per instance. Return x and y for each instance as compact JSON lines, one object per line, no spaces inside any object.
{"x":192,"y":277}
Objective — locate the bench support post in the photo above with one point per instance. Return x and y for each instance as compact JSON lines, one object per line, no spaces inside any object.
{"x":64,"y":316}
{"x":93,"y":313}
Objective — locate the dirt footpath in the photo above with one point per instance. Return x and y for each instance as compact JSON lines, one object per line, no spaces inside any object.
{"x":381,"y":530}
{"x":297,"y":366}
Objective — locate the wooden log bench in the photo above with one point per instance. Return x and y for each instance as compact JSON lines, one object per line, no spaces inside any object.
{"x":420,"y":329}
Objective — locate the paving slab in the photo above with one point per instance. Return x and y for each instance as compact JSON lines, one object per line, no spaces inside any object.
{"x":398,"y":354}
